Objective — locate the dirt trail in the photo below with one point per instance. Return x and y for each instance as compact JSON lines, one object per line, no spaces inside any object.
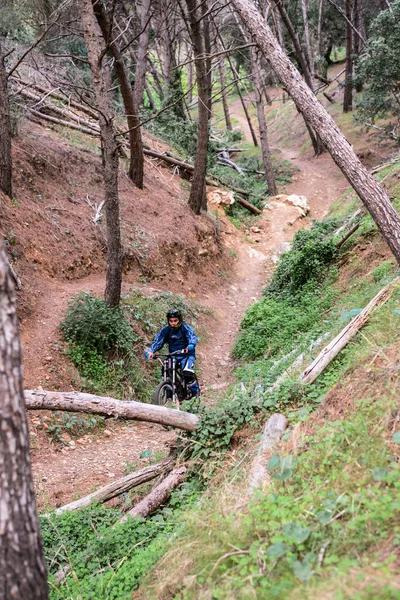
{"x":63,"y":475}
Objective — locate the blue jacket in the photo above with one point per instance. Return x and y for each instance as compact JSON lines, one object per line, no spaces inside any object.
{"x":177,"y":339}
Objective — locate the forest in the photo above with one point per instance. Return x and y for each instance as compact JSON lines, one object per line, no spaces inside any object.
{"x":238,"y":163}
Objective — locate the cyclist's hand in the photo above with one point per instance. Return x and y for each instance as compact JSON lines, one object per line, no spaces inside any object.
{"x":190,"y":348}
{"x":149,"y":355}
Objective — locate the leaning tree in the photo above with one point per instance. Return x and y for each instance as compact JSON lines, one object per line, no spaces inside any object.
{"x":369,"y":190}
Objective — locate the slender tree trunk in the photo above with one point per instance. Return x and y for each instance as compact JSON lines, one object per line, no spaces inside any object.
{"x":348,"y":85}
{"x":157,"y":81}
{"x":304,"y":67}
{"x":262,"y":124}
{"x":22,"y":566}
{"x":198,"y":189}
{"x":190,"y":83}
{"x":150,"y":97}
{"x":110,"y":153}
{"x":5,"y":133}
{"x":235,"y":76}
{"x":310,"y":54}
{"x":221,"y":68}
{"x":319,"y":33}
{"x":136,"y":165}
{"x":370,"y":191}
{"x":141,"y":62}
{"x":359,"y":22}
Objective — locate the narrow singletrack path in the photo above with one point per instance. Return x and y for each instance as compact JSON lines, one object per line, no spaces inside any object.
{"x":62,"y":475}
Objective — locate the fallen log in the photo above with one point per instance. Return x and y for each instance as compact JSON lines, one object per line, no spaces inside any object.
{"x":54,"y":94}
{"x":253,"y":209}
{"x":64,"y":111}
{"x":109,"y":407}
{"x":62,"y":122}
{"x":158,"y":496}
{"x":272,"y":433}
{"x":326,"y":356}
{"x":190,"y":168}
{"x":124,"y":484}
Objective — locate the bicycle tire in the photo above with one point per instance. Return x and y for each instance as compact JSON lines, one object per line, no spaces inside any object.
{"x":163,"y":393}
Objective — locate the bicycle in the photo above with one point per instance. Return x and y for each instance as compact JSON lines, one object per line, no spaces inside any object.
{"x":174,"y":386}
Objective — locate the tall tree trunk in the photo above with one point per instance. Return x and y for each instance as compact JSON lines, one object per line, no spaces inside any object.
{"x":359,"y":23}
{"x":190,"y":83}
{"x":304,"y":67}
{"x":141,"y":62}
{"x":198,"y":190}
{"x":100,"y":78}
{"x":348,"y":85}
{"x":309,"y":50}
{"x":235,"y":76}
{"x":136,"y":165}
{"x":370,"y":191}
{"x":5,"y":133}
{"x":22,"y":566}
{"x":207,"y":50}
{"x":221,"y":68}
{"x":150,"y":97}
{"x":262,"y":124}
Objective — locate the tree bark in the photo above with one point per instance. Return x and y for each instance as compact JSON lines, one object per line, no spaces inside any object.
{"x":348,"y":84}
{"x":141,"y":62}
{"x":158,"y":496}
{"x":371,"y":193}
{"x":112,"y":293}
{"x":5,"y":133}
{"x":109,"y":407}
{"x":22,"y":566}
{"x":120,"y":486}
{"x":262,"y":124}
{"x":136,"y":164}
{"x":197,"y":196}
{"x":221,"y":68}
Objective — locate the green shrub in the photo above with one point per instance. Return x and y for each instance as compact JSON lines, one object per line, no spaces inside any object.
{"x":91,"y":323}
{"x":311,"y":253}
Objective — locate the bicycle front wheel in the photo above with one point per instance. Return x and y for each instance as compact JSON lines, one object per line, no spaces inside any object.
{"x":163,"y":393}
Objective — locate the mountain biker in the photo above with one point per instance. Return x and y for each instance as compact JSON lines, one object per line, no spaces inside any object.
{"x":179,"y":336}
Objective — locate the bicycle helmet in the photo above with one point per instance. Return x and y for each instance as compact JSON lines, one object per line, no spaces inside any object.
{"x":174,"y":313}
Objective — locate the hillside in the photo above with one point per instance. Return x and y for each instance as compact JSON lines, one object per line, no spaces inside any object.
{"x":58,"y":252}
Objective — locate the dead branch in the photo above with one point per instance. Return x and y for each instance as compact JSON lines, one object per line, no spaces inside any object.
{"x":273,"y":430}
{"x":31,"y":47}
{"x":158,"y":496}
{"x":388,"y":164}
{"x":331,"y":99}
{"x":120,"y":486}
{"x":97,"y":209}
{"x":109,"y":407}
{"x":17,"y":280}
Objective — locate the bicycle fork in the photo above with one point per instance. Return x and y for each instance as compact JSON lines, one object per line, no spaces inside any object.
{"x":174,"y":393}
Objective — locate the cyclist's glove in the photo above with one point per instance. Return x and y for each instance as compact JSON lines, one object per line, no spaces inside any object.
{"x":190,"y":347}
{"x":147,"y":354}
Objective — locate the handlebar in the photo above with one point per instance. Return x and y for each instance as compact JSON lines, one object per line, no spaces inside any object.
{"x":155,"y":356}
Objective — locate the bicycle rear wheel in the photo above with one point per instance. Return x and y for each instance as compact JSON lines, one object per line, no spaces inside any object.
{"x":163,"y":393}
